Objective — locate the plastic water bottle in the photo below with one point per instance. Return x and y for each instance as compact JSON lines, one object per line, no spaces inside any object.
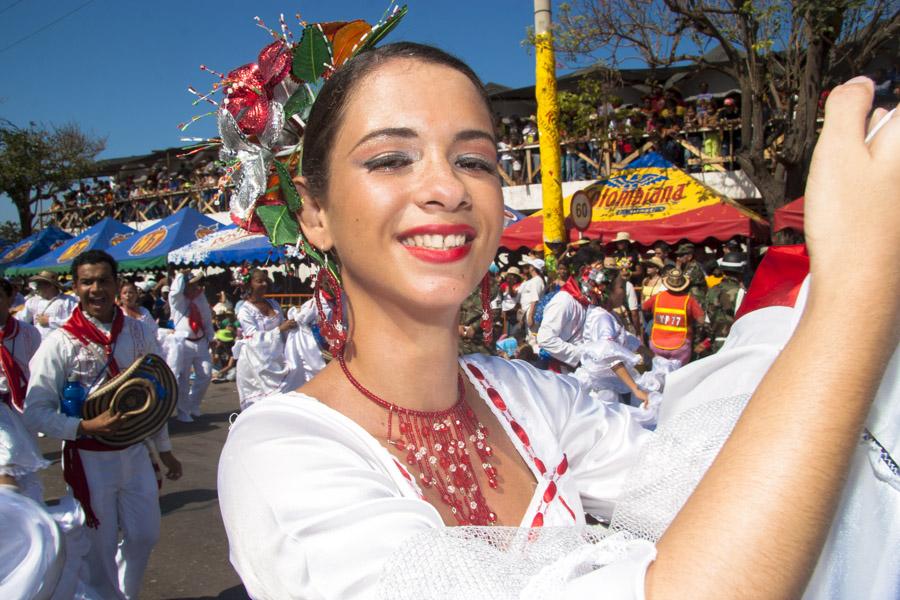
{"x":73,"y":396}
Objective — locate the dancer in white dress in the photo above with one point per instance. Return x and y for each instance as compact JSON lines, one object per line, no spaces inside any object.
{"x":317,"y":489}
{"x":261,"y":367}
{"x":171,"y":342}
{"x":43,"y":547}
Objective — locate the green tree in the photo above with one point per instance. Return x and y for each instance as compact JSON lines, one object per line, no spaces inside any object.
{"x":10,"y":232}
{"x":782,"y":54}
{"x":38,"y":163}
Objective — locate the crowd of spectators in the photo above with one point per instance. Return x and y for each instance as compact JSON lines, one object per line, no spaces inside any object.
{"x":135,"y":197}
{"x":516,"y":310}
{"x":705,"y":121}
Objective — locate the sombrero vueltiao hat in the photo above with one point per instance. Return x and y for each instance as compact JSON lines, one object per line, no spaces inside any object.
{"x":146,"y":392}
{"x":48,"y":277}
{"x":675,"y":281}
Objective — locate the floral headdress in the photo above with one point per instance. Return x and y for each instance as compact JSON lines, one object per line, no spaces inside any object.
{"x":263,"y":116}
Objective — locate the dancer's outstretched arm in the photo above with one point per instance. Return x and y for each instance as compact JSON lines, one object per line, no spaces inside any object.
{"x":755,"y":525}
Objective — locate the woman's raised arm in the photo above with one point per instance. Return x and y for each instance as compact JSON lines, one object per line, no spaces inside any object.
{"x":755,"y":525}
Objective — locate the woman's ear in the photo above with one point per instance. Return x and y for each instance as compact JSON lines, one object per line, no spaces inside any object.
{"x":312,"y":218}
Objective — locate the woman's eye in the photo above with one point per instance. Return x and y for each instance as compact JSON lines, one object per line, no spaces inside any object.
{"x":388,"y":162}
{"x":476,"y":164}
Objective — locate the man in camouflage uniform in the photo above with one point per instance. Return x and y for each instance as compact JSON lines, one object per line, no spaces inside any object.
{"x":722,"y":300}
{"x":685,"y":261}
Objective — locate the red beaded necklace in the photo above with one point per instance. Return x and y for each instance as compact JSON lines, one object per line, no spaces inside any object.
{"x":438,"y":444}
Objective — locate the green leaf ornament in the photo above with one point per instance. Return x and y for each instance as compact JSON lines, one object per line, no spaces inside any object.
{"x":382,"y":29}
{"x":298,"y":101}
{"x":311,"y":54}
{"x":288,"y":191}
{"x":279,"y":223}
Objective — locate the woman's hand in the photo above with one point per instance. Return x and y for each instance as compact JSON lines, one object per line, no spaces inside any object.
{"x":843,"y":226}
{"x":287,"y":325}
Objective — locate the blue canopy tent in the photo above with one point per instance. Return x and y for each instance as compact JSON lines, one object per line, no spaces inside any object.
{"x":35,"y":245}
{"x":106,"y":234}
{"x":149,"y":249}
{"x":229,"y":246}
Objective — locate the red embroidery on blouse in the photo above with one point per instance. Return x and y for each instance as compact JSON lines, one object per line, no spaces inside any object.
{"x":550,"y":492}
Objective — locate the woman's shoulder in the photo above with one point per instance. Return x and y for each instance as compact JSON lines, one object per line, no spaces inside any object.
{"x":519,"y":381}
{"x":291,"y":421}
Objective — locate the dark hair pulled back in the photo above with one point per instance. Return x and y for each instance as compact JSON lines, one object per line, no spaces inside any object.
{"x":328,"y":110}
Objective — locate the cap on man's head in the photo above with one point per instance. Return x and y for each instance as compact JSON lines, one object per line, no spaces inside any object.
{"x":683,"y":249}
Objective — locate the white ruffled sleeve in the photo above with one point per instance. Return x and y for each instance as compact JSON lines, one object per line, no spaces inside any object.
{"x":19,"y":455}
{"x":308,"y":505}
{"x":602,"y":443}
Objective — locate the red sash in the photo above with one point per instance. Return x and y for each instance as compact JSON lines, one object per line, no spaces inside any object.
{"x":572,"y":289}
{"x":195,"y":319}
{"x":79,"y":327}
{"x":15,"y":378}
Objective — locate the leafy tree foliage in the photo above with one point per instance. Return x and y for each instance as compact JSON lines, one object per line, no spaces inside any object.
{"x":782,"y":54}
{"x":37,"y":163}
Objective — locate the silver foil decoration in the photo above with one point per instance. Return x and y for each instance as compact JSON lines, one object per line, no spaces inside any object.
{"x":255,"y":159}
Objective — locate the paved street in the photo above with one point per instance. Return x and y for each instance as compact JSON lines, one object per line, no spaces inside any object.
{"x":191,"y":559}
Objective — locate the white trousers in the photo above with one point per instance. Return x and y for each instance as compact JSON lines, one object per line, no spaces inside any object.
{"x":125,"y":500}
{"x":195,"y":355}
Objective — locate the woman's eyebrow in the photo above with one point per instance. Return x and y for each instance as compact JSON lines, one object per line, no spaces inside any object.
{"x":401,"y":132}
{"x":474,"y":134}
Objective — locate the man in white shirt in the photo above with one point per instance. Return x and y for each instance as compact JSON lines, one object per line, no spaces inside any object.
{"x":562,"y":327}
{"x":192,"y":316}
{"x":49,"y":307}
{"x":115,"y":486}
{"x":530,"y":292}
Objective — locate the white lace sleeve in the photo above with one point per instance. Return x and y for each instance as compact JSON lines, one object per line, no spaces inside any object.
{"x":566,"y":563}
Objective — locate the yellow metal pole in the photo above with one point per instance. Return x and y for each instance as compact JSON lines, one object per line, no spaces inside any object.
{"x":548,"y":129}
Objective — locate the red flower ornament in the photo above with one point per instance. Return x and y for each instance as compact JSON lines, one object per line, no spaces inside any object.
{"x":249,"y":88}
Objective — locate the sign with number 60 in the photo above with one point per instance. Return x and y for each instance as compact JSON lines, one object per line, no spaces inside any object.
{"x":580,"y":210}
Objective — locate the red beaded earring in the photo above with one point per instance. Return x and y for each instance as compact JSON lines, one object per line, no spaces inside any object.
{"x":332,"y":327}
{"x":487,"y":317}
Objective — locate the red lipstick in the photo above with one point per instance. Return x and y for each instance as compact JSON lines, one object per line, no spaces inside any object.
{"x":441,"y":256}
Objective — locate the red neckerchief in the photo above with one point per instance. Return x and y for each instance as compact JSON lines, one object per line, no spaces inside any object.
{"x":777,"y":280}
{"x":571,"y":288}
{"x":195,"y":319}
{"x":86,"y":332}
{"x":79,"y":327}
{"x":15,"y":378}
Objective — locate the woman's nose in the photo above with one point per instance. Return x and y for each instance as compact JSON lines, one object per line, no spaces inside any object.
{"x":443,"y":187}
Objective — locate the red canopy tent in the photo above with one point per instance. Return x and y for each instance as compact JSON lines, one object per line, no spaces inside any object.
{"x":790,"y":216}
{"x":653,"y":201}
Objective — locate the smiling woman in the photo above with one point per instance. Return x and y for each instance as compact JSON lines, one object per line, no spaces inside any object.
{"x":398,"y":437}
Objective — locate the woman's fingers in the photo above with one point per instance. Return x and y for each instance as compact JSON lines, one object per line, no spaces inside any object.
{"x":846,"y":112}
{"x":885,"y":145}
{"x":874,"y":119}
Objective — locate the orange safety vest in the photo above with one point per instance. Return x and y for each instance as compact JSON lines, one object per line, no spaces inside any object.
{"x":670,"y":320}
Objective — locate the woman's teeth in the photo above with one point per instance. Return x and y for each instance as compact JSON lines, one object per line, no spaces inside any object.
{"x":435,"y":242}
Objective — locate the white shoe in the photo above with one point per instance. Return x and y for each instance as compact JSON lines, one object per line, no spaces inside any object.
{"x":184,"y":418}
{"x":196,"y":413}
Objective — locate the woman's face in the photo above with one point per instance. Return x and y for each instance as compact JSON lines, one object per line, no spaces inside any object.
{"x":413,"y":206}
{"x":128,"y":296}
{"x":617,"y":293}
{"x":259,"y":284}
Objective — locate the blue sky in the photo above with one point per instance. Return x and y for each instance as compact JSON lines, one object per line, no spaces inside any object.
{"x":120,"y":69}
